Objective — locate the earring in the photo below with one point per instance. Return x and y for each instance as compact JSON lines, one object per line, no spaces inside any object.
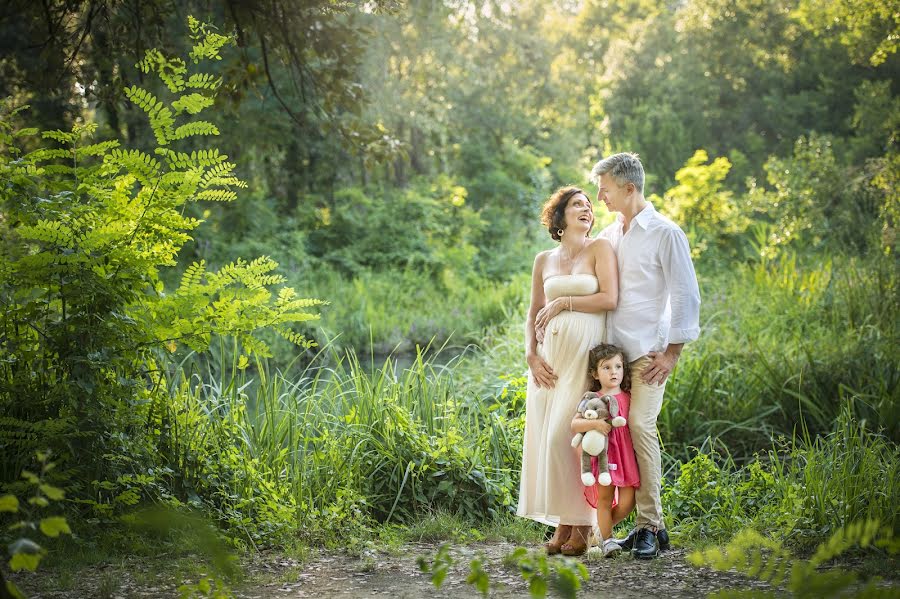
{"x":559,"y":232}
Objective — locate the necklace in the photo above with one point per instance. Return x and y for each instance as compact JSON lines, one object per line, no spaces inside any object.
{"x":571,"y":257}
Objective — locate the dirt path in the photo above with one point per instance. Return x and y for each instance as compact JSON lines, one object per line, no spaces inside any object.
{"x":398,"y":576}
{"x":393,"y":574}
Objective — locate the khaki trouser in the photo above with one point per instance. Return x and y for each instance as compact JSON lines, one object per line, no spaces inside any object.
{"x":646,"y":402}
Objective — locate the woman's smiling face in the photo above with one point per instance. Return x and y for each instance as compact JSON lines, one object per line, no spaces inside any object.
{"x":579,"y":214}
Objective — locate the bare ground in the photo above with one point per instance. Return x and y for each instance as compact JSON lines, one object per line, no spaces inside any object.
{"x":392,"y":574}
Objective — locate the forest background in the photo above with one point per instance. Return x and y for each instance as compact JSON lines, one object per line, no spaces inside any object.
{"x":389,"y":159}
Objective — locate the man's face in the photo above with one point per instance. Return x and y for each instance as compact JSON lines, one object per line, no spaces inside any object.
{"x":611,"y":193}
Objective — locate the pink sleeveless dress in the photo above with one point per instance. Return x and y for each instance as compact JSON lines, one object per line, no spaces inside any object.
{"x":623,"y":466}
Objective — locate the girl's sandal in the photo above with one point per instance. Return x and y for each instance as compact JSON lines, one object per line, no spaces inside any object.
{"x":554,"y":545}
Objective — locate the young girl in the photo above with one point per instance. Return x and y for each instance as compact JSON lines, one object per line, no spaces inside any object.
{"x":609,"y":369}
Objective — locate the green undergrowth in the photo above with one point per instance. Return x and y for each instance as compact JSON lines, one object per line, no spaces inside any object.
{"x":801,"y":491}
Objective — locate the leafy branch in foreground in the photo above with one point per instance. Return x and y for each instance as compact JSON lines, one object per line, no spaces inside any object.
{"x":85,"y":230}
{"x":562,"y":575}
{"x":25,"y":553}
{"x":767,"y":560}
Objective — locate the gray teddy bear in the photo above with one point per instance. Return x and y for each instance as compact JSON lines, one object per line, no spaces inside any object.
{"x":594,"y":443}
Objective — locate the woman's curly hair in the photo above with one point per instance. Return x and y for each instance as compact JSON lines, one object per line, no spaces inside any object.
{"x":553,"y":213}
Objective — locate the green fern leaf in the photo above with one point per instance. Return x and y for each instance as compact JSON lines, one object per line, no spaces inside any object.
{"x":161,"y":120}
{"x":192,"y":103}
{"x":97,"y":149}
{"x":65,"y":137}
{"x":217,"y":195}
{"x":196,"y":128}
{"x":43,"y":154}
{"x":204,"y":81}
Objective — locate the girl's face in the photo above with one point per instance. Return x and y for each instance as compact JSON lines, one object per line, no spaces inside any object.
{"x":610,"y":372}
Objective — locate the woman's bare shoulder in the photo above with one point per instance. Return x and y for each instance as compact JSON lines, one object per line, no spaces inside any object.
{"x":599,"y":244}
{"x":541,"y":257}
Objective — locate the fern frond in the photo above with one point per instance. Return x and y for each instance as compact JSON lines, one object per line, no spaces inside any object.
{"x":204,"y":81}
{"x":192,"y":103}
{"x":170,"y":70}
{"x":97,"y":149}
{"x":48,"y":231}
{"x":141,"y":165}
{"x":857,"y":533}
{"x":161,"y":120}
{"x":748,"y":552}
{"x":196,"y":128}
{"x":180,"y":160}
{"x":254,"y":346}
{"x":208,"y":43}
{"x":297,"y":339}
{"x":192,"y":277}
{"x":217,"y":195}
{"x":758,"y":557}
{"x":66,"y":137}
{"x":43,"y":154}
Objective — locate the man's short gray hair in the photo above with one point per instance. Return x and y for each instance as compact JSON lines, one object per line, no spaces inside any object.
{"x":624,"y":167}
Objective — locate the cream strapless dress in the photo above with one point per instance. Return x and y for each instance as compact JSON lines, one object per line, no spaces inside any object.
{"x":550,"y":490}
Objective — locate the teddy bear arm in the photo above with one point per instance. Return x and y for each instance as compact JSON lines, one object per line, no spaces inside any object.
{"x":613,"y":406}
{"x":615,"y":419}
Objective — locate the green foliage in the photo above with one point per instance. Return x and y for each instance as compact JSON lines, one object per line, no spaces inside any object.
{"x":802,"y":491}
{"x":563,"y":575}
{"x":478,"y":577}
{"x":205,"y":587}
{"x":24,"y":552}
{"x":765,"y":559}
{"x":783,"y":340}
{"x":439,"y":567}
{"x":541,"y":573}
{"x":710,"y":213}
{"x":803,"y":205}
{"x":87,"y":228}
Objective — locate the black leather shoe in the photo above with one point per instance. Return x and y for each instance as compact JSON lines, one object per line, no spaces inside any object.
{"x":663,"y":537}
{"x":628,"y":542}
{"x":646,"y":545}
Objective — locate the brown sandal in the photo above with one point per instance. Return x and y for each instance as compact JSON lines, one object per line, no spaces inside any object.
{"x":559,"y":538}
{"x":578,"y":542}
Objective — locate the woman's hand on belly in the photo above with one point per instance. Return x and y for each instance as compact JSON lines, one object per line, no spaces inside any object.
{"x":546,"y":313}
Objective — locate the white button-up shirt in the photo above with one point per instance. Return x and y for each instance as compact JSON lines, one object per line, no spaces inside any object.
{"x":659,"y":300}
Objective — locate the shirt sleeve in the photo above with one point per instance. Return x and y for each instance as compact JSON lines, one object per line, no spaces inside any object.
{"x":681,"y":280}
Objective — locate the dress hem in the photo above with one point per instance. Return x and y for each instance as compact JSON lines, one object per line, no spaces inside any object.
{"x":545,"y":519}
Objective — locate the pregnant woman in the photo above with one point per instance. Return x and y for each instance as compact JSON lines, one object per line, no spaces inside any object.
{"x":572,"y":287}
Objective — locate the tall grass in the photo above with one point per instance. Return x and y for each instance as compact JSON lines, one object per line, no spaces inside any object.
{"x":802,"y":490}
{"x":388,"y":312}
{"x":783,"y":342}
{"x":341,"y":442}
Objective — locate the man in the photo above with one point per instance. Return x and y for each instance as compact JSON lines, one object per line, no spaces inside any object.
{"x":658,"y":312}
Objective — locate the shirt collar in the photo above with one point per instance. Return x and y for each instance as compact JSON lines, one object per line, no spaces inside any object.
{"x":642,"y":218}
